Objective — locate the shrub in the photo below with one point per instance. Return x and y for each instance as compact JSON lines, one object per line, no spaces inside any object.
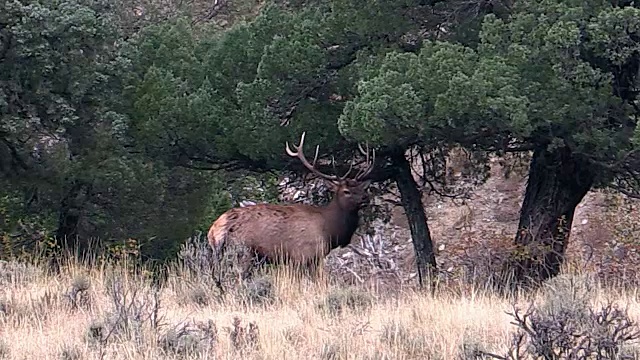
{"x":566,"y":326}
{"x":350,"y":297}
{"x":198,"y":260}
{"x":600,"y":335}
{"x":134,"y":308}
{"x":78,"y":295}
{"x":245,"y":339}
{"x":190,"y":338}
{"x":407,"y":340}
{"x":258,"y":291}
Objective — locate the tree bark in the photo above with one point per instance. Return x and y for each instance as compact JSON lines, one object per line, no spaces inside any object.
{"x":411,"y":200}
{"x":558,"y":181}
{"x":69,"y":219}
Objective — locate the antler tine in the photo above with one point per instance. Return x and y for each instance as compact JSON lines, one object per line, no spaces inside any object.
{"x":300,"y":155}
{"x":315,"y":157}
{"x":365,"y":153}
{"x":371,"y":163}
{"x":348,"y":171}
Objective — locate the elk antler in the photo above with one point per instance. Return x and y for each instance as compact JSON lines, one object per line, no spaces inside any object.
{"x":300,"y":155}
{"x":371,"y":164}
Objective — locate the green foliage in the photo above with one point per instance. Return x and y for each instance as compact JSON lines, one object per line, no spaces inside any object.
{"x":387,"y":107}
{"x":221,"y":100}
{"x":551,"y":74}
{"x":394,"y":102}
{"x":57,"y":72}
{"x":63,"y":120}
{"x":19,"y":227}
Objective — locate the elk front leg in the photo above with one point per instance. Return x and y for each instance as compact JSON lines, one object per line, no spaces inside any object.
{"x":312,"y":268}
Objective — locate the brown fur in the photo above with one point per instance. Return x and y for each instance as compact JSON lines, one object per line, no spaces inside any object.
{"x":299,"y":233}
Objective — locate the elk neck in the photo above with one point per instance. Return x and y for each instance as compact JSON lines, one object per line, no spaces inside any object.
{"x":340,"y":224}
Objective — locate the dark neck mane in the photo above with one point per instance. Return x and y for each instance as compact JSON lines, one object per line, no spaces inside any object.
{"x":340,"y":224}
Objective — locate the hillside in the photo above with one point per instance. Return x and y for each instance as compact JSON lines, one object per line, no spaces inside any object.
{"x":470,"y":236}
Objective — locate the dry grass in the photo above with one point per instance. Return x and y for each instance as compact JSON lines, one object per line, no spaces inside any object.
{"x":110,"y":313}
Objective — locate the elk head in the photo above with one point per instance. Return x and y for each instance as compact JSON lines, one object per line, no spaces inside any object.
{"x":349,"y":194}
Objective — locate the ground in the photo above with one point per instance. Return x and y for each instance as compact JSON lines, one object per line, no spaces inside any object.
{"x":469,"y":236}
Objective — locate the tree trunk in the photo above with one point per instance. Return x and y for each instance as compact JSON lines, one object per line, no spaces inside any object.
{"x":69,"y":218}
{"x":412,"y":203}
{"x":558,"y":181}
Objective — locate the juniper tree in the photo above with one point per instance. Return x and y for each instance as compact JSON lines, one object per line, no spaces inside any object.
{"x":65,"y":166}
{"x":557,"y":78}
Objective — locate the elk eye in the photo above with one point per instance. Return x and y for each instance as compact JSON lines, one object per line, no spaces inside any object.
{"x":346,"y":192}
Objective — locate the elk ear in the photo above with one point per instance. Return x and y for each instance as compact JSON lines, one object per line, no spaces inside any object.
{"x":365,"y":184}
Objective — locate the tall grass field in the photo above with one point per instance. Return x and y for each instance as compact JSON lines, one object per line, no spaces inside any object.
{"x":116,"y":311}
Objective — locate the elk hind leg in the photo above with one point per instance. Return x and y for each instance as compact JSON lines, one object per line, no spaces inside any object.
{"x":254,"y":262}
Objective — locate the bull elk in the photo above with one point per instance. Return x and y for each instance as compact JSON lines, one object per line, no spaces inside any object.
{"x":297,"y":233}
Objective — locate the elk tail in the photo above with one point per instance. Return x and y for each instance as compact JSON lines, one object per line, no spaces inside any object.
{"x":218,"y":236}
